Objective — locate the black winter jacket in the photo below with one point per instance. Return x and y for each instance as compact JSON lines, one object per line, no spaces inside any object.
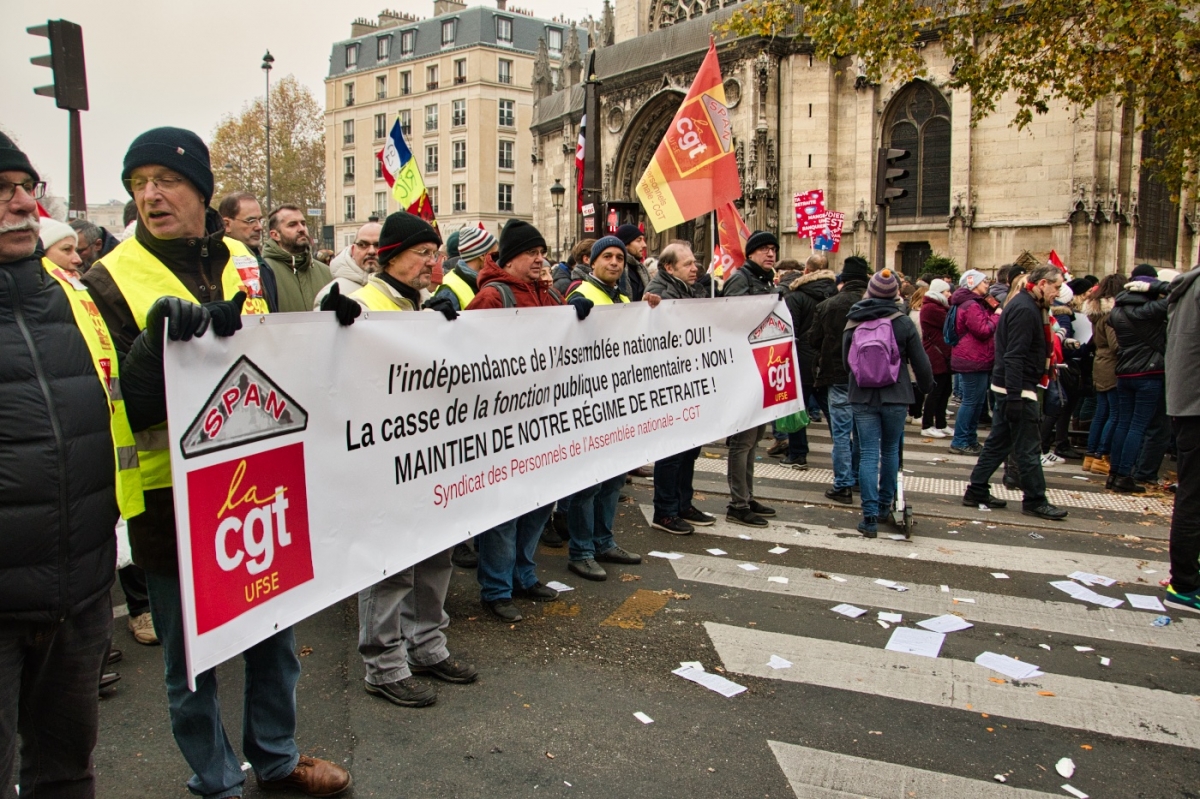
{"x":750,"y":279}
{"x":908,"y":342}
{"x":1022,"y":352}
{"x":825,"y":336}
{"x":58,"y":506}
{"x":1139,"y":318}
{"x":670,"y":287}
{"x":805,"y":293}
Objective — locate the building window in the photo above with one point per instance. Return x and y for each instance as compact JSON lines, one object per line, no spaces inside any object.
{"x":505,"y":160}
{"x":406,"y":122}
{"x":431,"y":77}
{"x":348,"y":132}
{"x":380,"y":126}
{"x":381,"y":87}
{"x":432,"y":191}
{"x":458,"y":113}
{"x":348,"y":94}
{"x":349,"y":200}
{"x":504,"y":30}
{"x":554,"y":41}
{"x":406,"y":82}
{"x":408,"y":42}
{"x":431,"y":114}
{"x":460,"y":70}
{"x":351,"y":56}
{"x":448,"y":33}
{"x":918,"y":120}
{"x":504,"y":71}
{"x":381,"y":204}
{"x":378,"y":168}
{"x":1157,"y":216}
{"x":348,"y":169}
{"x":431,"y":159}
{"x":507,"y":116}
{"x":383,"y":48}
{"x":504,"y":202}
{"x":460,"y":197}
{"x":459,"y":155}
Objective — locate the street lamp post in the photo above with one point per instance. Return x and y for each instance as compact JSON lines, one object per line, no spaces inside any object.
{"x":268,"y":60}
{"x":557,"y":191}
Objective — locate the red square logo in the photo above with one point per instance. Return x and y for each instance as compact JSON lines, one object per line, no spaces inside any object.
{"x":778,"y":372}
{"x":250,"y":542}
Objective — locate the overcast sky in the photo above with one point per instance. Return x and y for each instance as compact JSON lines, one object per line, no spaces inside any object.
{"x":152,"y":63}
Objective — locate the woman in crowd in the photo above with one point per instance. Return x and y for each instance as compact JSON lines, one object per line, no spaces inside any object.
{"x":914,"y":299}
{"x":1097,"y":306}
{"x":61,"y":245}
{"x":932,"y":320}
{"x":972,"y":357}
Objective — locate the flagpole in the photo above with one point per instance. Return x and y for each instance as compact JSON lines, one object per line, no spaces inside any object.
{"x":712,"y":283}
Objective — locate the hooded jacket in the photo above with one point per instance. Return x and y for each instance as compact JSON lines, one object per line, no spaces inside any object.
{"x":298,"y":277}
{"x":908,"y":342}
{"x":1104,"y":344}
{"x":348,"y":275}
{"x":1183,"y":346}
{"x":933,"y":320}
{"x":805,"y":293}
{"x":525,"y":294}
{"x":750,"y":279}
{"x":825,"y":335}
{"x":999,"y":291}
{"x":1139,"y":318}
{"x":976,"y":326}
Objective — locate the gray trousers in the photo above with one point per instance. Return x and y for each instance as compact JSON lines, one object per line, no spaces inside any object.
{"x":742,"y":448}
{"x":402,"y":619}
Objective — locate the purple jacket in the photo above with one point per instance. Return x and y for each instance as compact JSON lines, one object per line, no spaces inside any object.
{"x":976,"y":326}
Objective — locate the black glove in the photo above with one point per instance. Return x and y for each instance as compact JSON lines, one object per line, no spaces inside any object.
{"x":227,"y":314}
{"x":583,"y":306}
{"x":185,"y":320}
{"x":1014,"y":410}
{"x":443,"y":305}
{"x":346,"y":309}
{"x":1160,"y":287}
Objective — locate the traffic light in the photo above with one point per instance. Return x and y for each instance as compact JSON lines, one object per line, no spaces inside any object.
{"x":886,"y":174}
{"x":66,"y":60}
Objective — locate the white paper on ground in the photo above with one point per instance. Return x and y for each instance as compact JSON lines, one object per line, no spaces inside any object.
{"x":848,"y":610}
{"x":1009,"y":667}
{"x":896,"y":536}
{"x":1145,"y":602}
{"x":1065,"y":767}
{"x":1071,"y":789}
{"x":964,"y":599}
{"x":1080,"y":477}
{"x":782,"y":580}
{"x":945,"y":589}
{"x":777,"y":662}
{"x":778,"y":550}
{"x":713,"y":682}
{"x":745,"y":537}
{"x":750,"y":567}
{"x":643,"y":718}
{"x":1045,"y":646}
{"x":838,"y":579}
{"x":894,"y":618}
{"x":561,"y":588}
{"x":1077,"y":591}
{"x":716,"y":552}
{"x":883,"y":624}
{"x":885,"y":583}
{"x":1081,"y":649}
{"x":945,"y":624}
{"x":693,"y":664}
{"x":916,"y":642}
{"x":1092,"y":579}
{"x":668,"y":555}
{"x":1000,"y":575}
{"x":1105,"y":661}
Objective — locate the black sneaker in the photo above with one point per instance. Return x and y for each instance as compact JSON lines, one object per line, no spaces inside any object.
{"x":970,"y":449}
{"x":406,"y":693}
{"x":799,"y":464}
{"x":617,"y":555}
{"x":538,"y":592}
{"x":761,"y":509}
{"x":1011,"y":484}
{"x":673,"y":525}
{"x":588,"y":569}
{"x":973,"y":501}
{"x":1124,"y":484}
{"x":464,"y":557}
{"x":550,"y":537}
{"x":504,"y":610}
{"x":843,"y":495}
{"x":778,"y":450}
{"x":447,"y":670}
{"x":744,"y":516}
{"x":1068,"y":452}
{"x":697,"y":517}
{"x":1047,"y":511}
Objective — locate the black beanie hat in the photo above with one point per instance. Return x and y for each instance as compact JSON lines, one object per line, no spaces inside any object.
{"x":1144,"y":270}
{"x":628,"y":234}
{"x":855,"y":268}
{"x":516,"y":238}
{"x":13,"y":159}
{"x":174,"y":148}
{"x":402,"y":230}
{"x":759,"y":239}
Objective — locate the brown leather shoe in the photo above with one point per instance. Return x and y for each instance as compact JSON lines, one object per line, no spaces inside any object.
{"x":312,"y":777}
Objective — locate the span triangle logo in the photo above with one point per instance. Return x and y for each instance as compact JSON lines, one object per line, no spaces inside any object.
{"x":246,"y":406}
{"x":773,"y":328}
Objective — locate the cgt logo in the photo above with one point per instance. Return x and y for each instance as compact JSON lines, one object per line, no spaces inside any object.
{"x":249,"y":532}
{"x":776,"y":366}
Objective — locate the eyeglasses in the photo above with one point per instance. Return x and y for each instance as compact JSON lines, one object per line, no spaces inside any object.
{"x":34,"y":188}
{"x":250,"y":220}
{"x":366,"y":245}
{"x":163,"y":183}
{"x":425,"y":255}
{"x":536,"y":252}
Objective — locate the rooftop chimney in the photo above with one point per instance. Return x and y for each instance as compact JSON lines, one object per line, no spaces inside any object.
{"x":447,"y":7}
{"x":502,"y":5}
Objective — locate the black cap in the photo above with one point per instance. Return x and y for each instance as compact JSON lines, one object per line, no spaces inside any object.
{"x":1144,"y":270}
{"x":516,"y":238}
{"x":174,"y":148}
{"x":856,"y":268}
{"x":13,"y":159}
{"x":759,"y":239}
{"x":629,"y":233}
{"x":402,"y":230}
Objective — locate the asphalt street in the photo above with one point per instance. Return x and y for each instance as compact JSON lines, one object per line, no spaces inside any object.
{"x":552,"y":713}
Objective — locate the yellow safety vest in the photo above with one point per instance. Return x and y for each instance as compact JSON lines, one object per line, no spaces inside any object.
{"x":377,"y":299}
{"x":460,"y":288}
{"x":594,"y":293}
{"x":142,"y":280}
{"x":104,"y":359}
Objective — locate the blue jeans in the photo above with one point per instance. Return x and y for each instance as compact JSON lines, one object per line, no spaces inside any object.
{"x":1155,"y":443}
{"x":966,"y":421}
{"x":269,"y":709}
{"x":1137,"y":403}
{"x":845,"y":442}
{"x":1100,"y":434}
{"x":673,"y":478}
{"x":506,"y":555}
{"x":590,"y":518}
{"x":880,"y":430}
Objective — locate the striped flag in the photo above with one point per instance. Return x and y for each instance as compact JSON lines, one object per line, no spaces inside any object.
{"x":401,"y":173}
{"x":579,"y":148}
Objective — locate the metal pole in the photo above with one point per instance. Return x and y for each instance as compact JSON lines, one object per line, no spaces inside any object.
{"x":881,"y":212}
{"x":77,"y":201}
{"x":268,"y":59}
{"x":557,"y":234}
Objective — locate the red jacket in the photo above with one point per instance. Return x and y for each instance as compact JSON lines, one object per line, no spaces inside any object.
{"x":933,"y":319}
{"x":526,"y":295}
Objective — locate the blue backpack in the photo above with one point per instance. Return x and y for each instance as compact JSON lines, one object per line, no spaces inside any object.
{"x":874,"y":357}
{"x":950,"y":326}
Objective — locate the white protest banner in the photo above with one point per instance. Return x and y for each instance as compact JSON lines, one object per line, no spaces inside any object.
{"x":310,"y":461}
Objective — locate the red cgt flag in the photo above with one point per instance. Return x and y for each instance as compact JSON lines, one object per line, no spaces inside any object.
{"x":730,"y":250}
{"x":694,"y":169}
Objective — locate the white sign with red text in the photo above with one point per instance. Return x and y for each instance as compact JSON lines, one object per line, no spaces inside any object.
{"x":310,"y":461}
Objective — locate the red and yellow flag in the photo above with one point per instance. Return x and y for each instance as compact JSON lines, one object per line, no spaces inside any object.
{"x":730,"y":250}
{"x":694,"y":169}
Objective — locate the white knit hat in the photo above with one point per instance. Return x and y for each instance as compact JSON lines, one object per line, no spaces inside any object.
{"x":53,"y":231}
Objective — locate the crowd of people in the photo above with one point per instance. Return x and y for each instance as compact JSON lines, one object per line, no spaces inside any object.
{"x":83,"y":315}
